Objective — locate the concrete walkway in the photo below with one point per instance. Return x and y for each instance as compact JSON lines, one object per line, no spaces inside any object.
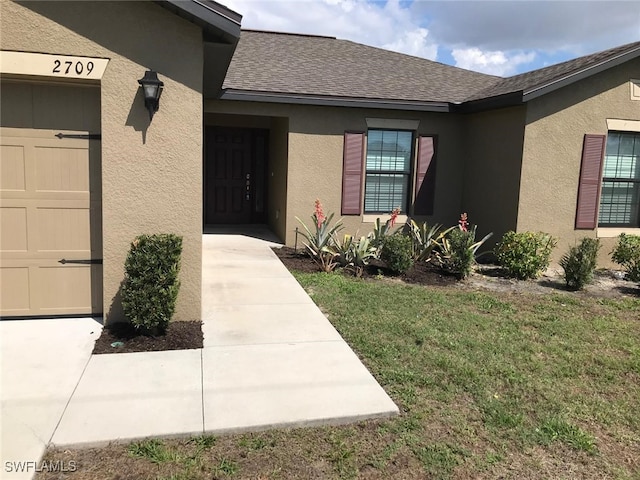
{"x":270,"y":358}
{"x":41,"y":362}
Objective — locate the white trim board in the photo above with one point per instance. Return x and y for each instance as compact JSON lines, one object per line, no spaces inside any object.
{"x":52,"y":66}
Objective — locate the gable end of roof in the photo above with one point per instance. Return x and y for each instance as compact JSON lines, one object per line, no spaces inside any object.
{"x":589,"y":70}
{"x":539,"y":82}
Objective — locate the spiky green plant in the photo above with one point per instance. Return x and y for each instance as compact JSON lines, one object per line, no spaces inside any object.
{"x":425,"y":239}
{"x":321,"y":238}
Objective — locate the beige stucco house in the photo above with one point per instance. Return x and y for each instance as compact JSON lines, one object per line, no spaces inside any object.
{"x":252,"y":127}
{"x":365,"y":129}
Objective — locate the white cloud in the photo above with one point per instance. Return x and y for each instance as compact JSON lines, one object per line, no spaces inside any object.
{"x":386,"y":25}
{"x":499,"y":37}
{"x":580,"y":27}
{"x":414,"y":43}
{"x":492,"y":62}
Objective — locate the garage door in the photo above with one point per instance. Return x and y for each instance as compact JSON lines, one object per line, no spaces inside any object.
{"x":50,"y":203}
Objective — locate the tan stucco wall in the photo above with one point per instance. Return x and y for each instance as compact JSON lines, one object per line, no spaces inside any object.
{"x":493,"y":157}
{"x":151,"y":172}
{"x":556,"y":125}
{"x":315,"y":156}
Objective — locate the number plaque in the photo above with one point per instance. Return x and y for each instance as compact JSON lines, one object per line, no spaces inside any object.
{"x":46,"y":65}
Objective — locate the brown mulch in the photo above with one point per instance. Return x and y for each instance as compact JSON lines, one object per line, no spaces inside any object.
{"x":188,"y":335}
{"x":606,"y":283}
{"x":179,"y":336}
{"x":298,"y":260}
{"x":421,"y":273}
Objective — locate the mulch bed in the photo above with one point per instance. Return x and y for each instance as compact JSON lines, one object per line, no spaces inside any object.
{"x":487,"y":277}
{"x":188,"y":335}
{"x":421,"y":273}
{"x":179,"y":336}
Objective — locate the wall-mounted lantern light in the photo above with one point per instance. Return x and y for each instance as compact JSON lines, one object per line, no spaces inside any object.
{"x":152,"y":89}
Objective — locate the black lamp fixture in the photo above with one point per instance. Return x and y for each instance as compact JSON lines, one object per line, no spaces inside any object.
{"x":152,"y":89}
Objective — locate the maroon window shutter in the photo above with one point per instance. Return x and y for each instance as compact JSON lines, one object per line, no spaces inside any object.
{"x":590,"y":180}
{"x":352,"y":173}
{"x":425,"y":187}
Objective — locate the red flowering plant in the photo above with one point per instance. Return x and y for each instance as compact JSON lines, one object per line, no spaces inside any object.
{"x":321,"y":238}
{"x":394,"y":216}
{"x":463,"y":223}
{"x":318,"y":213}
{"x":381,"y":230}
{"x":456,"y":252}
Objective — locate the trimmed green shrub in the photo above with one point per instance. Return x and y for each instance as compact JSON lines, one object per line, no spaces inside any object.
{"x":627,"y":254}
{"x":396,"y":253}
{"x":151,"y":284}
{"x":526,"y":254}
{"x":579,"y":263}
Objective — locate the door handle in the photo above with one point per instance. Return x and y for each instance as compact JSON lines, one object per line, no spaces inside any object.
{"x":91,"y":261}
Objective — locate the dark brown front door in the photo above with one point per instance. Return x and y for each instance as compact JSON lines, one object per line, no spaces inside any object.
{"x":234,"y":175}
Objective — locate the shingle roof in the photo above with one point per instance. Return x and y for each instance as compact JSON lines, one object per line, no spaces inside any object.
{"x":294,"y":64}
{"x":217,"y":21}
{"x":545,"y":76}
{"x":325,"y":66}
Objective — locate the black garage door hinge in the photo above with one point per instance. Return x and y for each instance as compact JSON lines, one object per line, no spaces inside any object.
{"x":92,"y":261}
{"x":89,"y":136}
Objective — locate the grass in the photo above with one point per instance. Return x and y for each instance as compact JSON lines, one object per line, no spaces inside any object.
{"x":489,"y":385}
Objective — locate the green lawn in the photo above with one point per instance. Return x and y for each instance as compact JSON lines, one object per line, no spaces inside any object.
{"x":489,"y":386}
{"x":482,"y":377}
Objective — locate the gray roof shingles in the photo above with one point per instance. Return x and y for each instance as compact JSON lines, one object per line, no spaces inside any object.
{"x":544,"y":76}
{"x":292,"y":64}
{"x":325,"y":66}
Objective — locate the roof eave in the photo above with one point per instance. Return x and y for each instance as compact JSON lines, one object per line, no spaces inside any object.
{"x":333,"y":101}
{"x":500,"y":101}
{"x":556,"y":84}
{"x":217,"y":21}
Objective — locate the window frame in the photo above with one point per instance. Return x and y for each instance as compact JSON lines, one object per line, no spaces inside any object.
{"x":409,"y":175}
{"x":636,"y":181}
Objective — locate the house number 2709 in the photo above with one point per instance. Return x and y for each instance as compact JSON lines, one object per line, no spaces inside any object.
{"x":68,"y":67}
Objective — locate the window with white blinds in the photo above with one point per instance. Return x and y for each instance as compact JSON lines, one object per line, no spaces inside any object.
{"x":620,"y":196}
{"x":388,"y":170}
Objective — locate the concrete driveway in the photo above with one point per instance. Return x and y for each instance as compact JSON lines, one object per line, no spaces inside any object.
{"x":41,"y":363}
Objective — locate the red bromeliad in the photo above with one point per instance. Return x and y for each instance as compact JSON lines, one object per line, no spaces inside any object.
{"x":394,"y":216}
{"x":463,"y":222}
{"x":319,"y":213}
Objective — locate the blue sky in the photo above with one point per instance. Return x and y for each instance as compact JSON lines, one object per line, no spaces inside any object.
{"x":496,"y":37}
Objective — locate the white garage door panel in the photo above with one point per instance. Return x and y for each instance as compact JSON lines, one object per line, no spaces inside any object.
{"x":50,"y":207}
{"x":66,"y":288}
{"x":12,"y":175}
{"x":49,"y":288}
{"x":64,"y":229}
{"x":13,"y":229}
{"x":62,"y":169}
{"x":15,"y":291}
